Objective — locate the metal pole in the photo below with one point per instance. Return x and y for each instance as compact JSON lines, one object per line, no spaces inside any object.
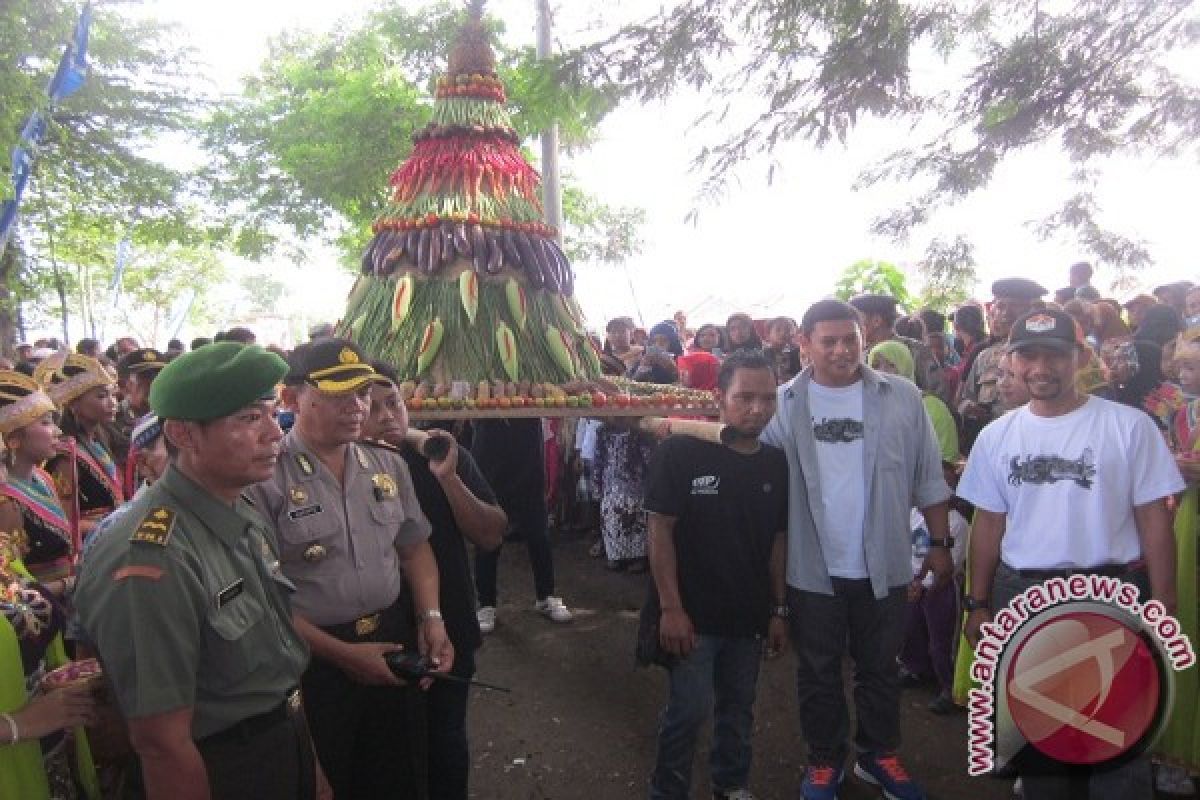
{"x":551,"y":185}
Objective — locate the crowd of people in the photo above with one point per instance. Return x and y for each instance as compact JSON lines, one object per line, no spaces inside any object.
{"x":258,"y":560}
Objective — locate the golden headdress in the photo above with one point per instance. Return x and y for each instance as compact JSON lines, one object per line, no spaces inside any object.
{"x":66,"y":376}
{"x":22,"y":401}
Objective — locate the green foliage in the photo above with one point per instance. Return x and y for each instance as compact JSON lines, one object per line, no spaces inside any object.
{"x":329,"y":116}
{"x":873,"y":277}
{"x":94,"y":180}
{"x":1094,"y":78}
{"x":948,"y":272}
{"x":597,"y":233}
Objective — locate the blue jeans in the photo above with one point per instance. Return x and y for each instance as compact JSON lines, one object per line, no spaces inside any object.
{"x":719,"y":676}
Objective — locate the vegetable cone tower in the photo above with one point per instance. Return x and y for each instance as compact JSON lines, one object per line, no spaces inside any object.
{"x":463,"y":281}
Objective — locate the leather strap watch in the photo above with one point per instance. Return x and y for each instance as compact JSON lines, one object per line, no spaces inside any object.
{"x":971,"y":604}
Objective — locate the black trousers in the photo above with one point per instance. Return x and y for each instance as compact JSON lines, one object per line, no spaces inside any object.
{"x":446,"y":723}
{"x":267,"y":765}
{"x":824,"y":627}
{"x":362,"y":733}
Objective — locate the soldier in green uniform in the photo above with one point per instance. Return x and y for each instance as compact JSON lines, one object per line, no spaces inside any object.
{"x":186,"y":604}
{"x":352,"y":537}
{"x":978,"y":401}
{"x":879,"y":320}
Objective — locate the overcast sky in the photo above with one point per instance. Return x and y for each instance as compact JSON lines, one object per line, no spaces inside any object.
{"x":768,"y":250}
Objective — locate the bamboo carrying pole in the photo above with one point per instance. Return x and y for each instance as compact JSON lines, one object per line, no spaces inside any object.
{"x":662,"y":427}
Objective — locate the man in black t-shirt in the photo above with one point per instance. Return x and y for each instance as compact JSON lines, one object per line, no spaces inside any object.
{"x":458,"y":502}
{"x":718,"y":517}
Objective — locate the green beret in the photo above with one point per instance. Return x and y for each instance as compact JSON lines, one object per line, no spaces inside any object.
{"x":214,"y":381}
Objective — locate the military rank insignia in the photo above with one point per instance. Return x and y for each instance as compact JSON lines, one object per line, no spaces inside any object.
{"x":305,"y":464}
{"x":155,"y":527}
{"x":385,"y":486}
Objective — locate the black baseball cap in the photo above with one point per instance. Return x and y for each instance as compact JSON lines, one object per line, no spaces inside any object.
{"x":1044,"y":327}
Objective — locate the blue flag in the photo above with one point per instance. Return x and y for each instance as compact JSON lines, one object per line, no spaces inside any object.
{"x":72,"y":67}
{"x":70,"y":75}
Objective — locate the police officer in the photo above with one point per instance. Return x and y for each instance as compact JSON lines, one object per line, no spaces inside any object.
{"x":351,"y":535}
{"x":136,"y":372}
{"x":978,"y":401}
{"x":185,"y":601}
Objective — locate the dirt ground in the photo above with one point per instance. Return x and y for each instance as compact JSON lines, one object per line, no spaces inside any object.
{"x":581,"y":720}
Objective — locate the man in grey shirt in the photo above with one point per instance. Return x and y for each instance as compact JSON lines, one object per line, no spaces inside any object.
{"x":351,"y":539}
{"x":861,"y":453}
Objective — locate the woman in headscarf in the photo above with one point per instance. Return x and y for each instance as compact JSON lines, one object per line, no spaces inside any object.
{"x":1136,"y":376}
{"x":708,"y":339}
{"x":84,"y":471}
{"x":31,"y":438}
{"x":740,"y":333}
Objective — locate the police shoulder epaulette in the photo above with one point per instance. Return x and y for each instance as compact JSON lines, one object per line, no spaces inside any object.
{"x":155,"y":527}
{"x":382,"y":445}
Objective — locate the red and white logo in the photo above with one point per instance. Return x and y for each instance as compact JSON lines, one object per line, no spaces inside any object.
{"x":1084,"y":687}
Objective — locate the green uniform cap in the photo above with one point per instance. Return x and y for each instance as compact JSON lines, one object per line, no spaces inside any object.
{"x":214,"y":381}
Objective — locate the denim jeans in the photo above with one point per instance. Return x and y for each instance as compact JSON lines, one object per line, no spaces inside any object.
{"x":824,"y":627}
{"x":719,"y":676}
{"x":1043,"y":778}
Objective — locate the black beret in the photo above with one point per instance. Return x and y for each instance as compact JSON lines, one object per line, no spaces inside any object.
{"x":214,"y":381}
{"x":874,"y":303}
{"x":1018,"y":287}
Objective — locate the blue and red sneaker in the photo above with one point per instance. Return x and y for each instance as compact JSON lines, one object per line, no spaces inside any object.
{"x":821,"y":782}
{"x":885,"y":771}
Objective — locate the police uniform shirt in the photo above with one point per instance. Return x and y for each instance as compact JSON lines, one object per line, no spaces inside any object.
{"x":338,"y":541}
{"x":186,"y":604}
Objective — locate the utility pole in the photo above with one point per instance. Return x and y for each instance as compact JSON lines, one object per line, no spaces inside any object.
{"x":551,"y":184}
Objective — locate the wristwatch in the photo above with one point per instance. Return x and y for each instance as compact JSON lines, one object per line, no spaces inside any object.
{"x":428,"y":614}
{"x":971,"y":604}
{"x":948,"y":542}
{"x":783,"y":612}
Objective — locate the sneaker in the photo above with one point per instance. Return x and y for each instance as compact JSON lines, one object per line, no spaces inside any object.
{"x":552,"y":608}
{"x":1172,"y":780}
{"x":885,"y":771}
{"x":487,"y":618}
{"x":733,"y":794}
{"x":821,"y":782}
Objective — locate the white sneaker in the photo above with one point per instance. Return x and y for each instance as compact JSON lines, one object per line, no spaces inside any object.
{"x":487,"y":618}
{"x":552,"y":608}
{"x":734,"y":794}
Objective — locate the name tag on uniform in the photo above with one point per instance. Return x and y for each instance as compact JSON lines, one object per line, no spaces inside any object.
{"x":307,"y":511}
{"x":230,"y":592}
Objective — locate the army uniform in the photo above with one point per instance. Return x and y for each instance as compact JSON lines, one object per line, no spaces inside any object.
{"x":185,"y":601}
{"x":338,"y":545}
{"x":979,"y":385}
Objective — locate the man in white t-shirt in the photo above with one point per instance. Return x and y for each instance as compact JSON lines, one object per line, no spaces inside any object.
{"x":861,"y":452}
{"x":1069,"y":483}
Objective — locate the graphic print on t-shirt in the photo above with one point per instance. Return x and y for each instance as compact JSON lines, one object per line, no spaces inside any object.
{"x":840,"y":430}
{"x":1040,"y":470}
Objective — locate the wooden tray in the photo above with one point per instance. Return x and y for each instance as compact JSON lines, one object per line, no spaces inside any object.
{"x":598,"y":412}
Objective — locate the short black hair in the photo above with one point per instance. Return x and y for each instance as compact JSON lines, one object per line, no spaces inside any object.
{"x":174,"y":344}
{"x":200,"y":341}
{"x":935,"y":321}
{"x":741,"y":359}
{"x":87,"y":347}
{"x":241,"y":335}
{"x":387,"y":371}
{"x":829,"y":310}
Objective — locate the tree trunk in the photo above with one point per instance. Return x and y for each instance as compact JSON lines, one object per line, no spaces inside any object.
{"x":10,"y":268}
